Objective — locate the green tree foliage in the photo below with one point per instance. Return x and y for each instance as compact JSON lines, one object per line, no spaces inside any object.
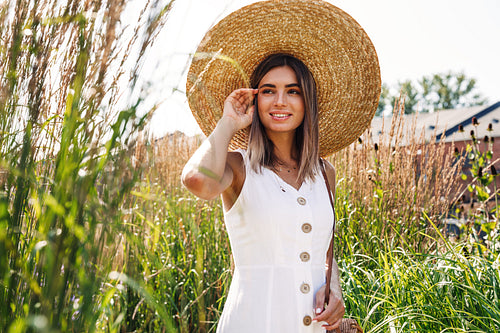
{"x":450,"y":90}
{"x":433,"y":92}
{"x":384,"y":99}
{"x":411,"y":93}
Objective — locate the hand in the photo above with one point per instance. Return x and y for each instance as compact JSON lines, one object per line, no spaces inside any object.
{"x":334,"y":311}
{"x":238,"y":108}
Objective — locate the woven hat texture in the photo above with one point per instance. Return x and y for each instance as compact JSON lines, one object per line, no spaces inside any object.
{"x":334,"y":47}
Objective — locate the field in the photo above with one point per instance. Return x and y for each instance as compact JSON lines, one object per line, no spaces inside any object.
{"x":98,"y":235}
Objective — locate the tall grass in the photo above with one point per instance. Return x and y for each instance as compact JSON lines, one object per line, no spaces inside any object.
{"x":97,"y":234}
{"x":64,"y":159}
{"x":385,"y":187}
{"x":403,"y":291}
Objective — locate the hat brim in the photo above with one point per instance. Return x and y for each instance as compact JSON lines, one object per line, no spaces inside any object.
{"x":337,"y":51}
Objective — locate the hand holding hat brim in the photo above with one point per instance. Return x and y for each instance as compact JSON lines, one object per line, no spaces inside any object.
{"x":331,"y":44}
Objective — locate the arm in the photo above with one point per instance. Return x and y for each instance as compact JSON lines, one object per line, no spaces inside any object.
{"x":335,"y":309}
{"x":208,"y":172}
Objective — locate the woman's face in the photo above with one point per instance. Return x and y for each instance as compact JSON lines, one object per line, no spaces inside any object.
{"x":280,"y":100}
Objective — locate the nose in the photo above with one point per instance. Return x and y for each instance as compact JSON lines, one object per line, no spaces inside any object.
{"x":280,"y":99}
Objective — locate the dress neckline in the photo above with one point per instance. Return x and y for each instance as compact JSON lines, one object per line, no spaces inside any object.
{"x":282,"y":181}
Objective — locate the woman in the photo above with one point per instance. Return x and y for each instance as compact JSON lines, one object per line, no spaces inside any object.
{"x":276,"y":205}
{"x":283,"y":142}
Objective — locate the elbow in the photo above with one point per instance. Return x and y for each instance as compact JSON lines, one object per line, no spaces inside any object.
{"x":200,"y":185}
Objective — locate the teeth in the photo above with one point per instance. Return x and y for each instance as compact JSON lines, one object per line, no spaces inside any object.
{"x":280,"y":115}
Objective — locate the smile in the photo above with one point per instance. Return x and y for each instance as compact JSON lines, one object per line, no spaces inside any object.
{"x":280,"y":115}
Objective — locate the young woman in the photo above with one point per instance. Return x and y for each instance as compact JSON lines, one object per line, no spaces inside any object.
{"x":272,"y":218}
{"x":277,"y":209}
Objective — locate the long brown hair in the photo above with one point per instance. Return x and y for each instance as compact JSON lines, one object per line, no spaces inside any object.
{"x":261,"y":148}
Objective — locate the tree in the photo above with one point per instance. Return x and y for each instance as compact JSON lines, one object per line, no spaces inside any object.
{"x":410,"y":94}
{"x":433,"y":92}
{"x":450,"y":91}
{"x":383,"y":101}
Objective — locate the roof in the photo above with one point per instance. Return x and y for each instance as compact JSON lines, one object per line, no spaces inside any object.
{"x":446,"y":122}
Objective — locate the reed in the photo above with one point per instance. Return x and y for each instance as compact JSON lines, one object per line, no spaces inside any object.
{"x":385,"y":187}
{"x":64,"y":158}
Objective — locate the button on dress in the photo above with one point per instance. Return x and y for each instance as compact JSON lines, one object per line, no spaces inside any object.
{"x":279,"y":237}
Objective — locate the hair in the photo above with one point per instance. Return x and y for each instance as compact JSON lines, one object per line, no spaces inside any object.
{"x":261,"y":148}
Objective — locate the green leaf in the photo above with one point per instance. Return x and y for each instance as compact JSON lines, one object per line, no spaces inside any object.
{"x":487,"y":180}
{"x":489,"y":155}
{"x":481,"y":194}
{"x":488,"y":227}
{"x":18,"y":326}
{"x":481,"y":161}
{"x":52,"y":203}
{"x":463,"y":176}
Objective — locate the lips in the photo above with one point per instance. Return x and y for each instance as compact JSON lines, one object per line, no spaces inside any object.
{"x":279,"y":116}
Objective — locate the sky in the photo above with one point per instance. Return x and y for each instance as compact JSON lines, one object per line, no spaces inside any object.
{"x":412,"y":39}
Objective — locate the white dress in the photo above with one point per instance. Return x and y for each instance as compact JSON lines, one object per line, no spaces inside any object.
{"x":279,"y":237}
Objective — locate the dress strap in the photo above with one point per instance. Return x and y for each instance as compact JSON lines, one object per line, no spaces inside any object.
{"x":329,"y":254}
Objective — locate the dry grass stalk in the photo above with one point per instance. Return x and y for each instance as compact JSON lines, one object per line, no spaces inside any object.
{"x":399,"y":178}
{"x":167,"y":156}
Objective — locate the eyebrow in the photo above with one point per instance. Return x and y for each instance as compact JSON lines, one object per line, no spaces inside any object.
{"x":274,"y":86}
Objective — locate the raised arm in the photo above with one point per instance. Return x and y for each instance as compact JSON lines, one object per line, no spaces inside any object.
{"x":208,"y":173}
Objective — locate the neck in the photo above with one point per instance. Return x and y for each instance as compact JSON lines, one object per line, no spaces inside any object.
{"x":284,"y":147}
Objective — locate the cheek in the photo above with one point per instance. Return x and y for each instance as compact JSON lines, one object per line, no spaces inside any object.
{"x":301,"y":106}
{"x":262,"y":104}
{"x":261,"y":100}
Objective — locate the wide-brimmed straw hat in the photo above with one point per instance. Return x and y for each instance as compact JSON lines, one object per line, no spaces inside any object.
{"x":331,"y":44}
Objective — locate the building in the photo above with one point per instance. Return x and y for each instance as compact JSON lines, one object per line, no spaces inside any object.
{"x":478,"y":125}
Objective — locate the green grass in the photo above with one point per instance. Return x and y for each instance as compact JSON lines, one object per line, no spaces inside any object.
{"x":448,"y":289}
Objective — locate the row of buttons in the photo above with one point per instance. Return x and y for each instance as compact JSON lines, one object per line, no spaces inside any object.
{"x":304,"y":256}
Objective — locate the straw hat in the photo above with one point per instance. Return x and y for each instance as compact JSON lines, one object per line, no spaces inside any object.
{"x":331,"y":44}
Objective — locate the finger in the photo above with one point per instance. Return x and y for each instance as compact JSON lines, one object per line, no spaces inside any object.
{"x":248,"y":96}
{"x":325,"y":315}
{"x":237,"y":105}
{"x":331,"y":314}
{"x":329,"y":328}
{"x":320,"y":301}
{"x":250,"y":110}
{"x":243,"y":94}
{"x":333,"y":326}
{"x":245,"y":91}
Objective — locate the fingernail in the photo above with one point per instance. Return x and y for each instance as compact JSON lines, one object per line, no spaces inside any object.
{"x":318,"y":310}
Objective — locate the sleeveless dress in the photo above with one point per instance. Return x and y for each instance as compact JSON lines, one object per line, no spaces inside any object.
{"x":279,"y":237}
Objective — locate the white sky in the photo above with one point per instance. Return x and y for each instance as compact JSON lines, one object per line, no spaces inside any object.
{"x":412,"y":38}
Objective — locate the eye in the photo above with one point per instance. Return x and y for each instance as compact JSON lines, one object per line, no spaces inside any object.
{"x":266,"y":91}
{"x":294,"y":92}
